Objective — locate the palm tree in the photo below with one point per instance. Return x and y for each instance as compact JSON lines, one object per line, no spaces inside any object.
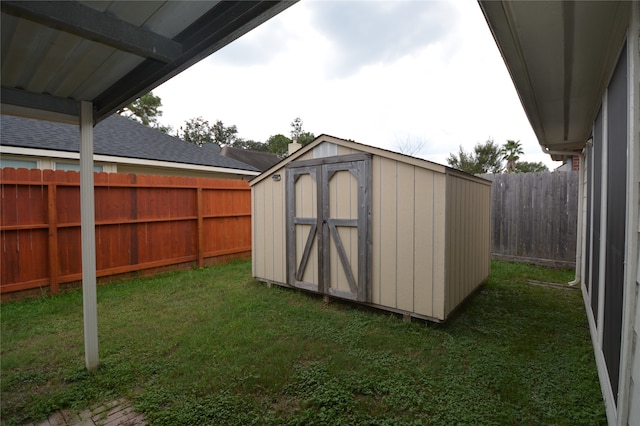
{"x":511,"y":152}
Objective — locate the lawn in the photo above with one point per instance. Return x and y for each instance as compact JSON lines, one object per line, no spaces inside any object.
{"x":213,"y":346}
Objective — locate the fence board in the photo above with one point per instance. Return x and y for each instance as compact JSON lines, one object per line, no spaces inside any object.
{"x":534,"y":216}
{"x":142,"y":222}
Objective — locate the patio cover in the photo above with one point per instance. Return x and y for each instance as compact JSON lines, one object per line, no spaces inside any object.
{"x":79,"y":61}
{"x":559,"y":59}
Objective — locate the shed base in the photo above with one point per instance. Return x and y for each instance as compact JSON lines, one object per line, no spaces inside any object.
{"x":406,"y":315}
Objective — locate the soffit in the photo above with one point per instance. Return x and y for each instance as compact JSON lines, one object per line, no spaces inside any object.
{"x":560,"y":56}
{"x":55,"y":54}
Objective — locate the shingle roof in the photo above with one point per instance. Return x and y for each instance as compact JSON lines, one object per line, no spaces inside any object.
{"x":258,"y":159}
{"x":115,"y":136}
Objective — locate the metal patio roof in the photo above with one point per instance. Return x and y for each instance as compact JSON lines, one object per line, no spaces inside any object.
{"x":55,"y":54}
{"x":78,"y":62}
{"x":560,"y":60}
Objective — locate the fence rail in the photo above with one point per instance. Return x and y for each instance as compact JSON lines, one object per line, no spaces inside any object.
{"x":534,"y":217}
{"x":142,"y":222}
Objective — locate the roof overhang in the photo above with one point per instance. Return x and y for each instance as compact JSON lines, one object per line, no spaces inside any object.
{"x":56,"y":54}
{"x":36,"y":153}
{"x":560,"y":56}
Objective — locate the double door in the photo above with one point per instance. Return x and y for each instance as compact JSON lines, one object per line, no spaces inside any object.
{"x":328,"y":225}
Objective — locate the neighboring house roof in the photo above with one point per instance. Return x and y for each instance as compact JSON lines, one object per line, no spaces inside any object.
{"x":258,"y":159}
{"x":115,"y":136}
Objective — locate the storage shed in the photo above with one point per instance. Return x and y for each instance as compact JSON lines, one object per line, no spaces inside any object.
{"x":384,"y":229}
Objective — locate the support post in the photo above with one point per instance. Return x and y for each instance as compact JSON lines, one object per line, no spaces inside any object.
{"x":88,"y":233}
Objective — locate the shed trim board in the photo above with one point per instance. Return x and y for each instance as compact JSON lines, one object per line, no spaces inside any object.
{"x":358,"y":147}
{"x":412,"y":256}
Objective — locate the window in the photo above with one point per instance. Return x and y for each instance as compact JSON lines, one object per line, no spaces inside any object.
{"x":18,"y":164}
{"x":60,"y":165}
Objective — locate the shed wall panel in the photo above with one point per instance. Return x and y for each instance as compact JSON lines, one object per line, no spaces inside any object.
{"x":343,"y":150}
{"x":423,"y":244}
{"x":307,"y":156}
{"x":468,"y":253}
{"x":376,"y":227}
{"x":279,"y":237}
{"x":408,"y":237}
{"x":268,"y":230}
{"x":386,"y":209}
{"x":405,"y":214}
{"x":439,"y":243}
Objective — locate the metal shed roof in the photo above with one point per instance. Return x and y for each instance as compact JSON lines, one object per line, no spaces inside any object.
{"x":55,"y":54}
{"x":559,"y":58}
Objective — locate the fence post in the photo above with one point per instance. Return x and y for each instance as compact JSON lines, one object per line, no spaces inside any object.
{"x":54,"y":268}
{"x":199,"y":228}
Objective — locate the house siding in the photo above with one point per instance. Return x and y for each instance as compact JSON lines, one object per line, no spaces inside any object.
{"x":612,"y":278}
{"x":616,"y":211}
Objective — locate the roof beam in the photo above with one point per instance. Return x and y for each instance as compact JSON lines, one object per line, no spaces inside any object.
{"x":83,"y":21}
{"x":220,"y":26}
{"x":21,"y":98}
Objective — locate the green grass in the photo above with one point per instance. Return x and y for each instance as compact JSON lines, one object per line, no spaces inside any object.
{"x":212,"y":346}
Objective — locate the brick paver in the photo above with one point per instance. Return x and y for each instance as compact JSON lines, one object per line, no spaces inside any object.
{"x":114,"y":413}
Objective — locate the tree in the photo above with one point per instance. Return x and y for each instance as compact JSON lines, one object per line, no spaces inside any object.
{"x":223,"y":135}
{"x":197,"y":131}
{"x":485,"y":158}
{"x":145,"y":110}
{"x":511,"y":152}
{"x":530,"y":167}
{"x":305,"y":138}
{"x":296,"y":128}
{"x":167,"y":130}
{"x":278,"y":144}
{"x":298,"y":134}
{"x":250,"y":144}
{"x":409,"y":146}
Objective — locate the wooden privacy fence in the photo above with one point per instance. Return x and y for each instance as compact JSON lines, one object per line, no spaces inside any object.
{"x":142,"y":222}
{"x":534,"y":217}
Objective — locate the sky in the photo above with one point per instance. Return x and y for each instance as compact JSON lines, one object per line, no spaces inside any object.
{"x":383,"y":73}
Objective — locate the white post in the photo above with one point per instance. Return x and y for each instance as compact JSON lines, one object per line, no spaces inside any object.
{"x":580,"y":219}
{"x":88,"y":232}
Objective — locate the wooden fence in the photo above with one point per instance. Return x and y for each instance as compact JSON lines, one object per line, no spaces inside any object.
{"x":142,"y":222}
{"x":534,"y":217}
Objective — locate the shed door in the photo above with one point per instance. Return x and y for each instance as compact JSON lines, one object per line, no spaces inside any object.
{"x":328,"y":220}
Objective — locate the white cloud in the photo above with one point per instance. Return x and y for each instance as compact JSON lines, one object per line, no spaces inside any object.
{"x":374,"y":72}
{"x":363,"y":33}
